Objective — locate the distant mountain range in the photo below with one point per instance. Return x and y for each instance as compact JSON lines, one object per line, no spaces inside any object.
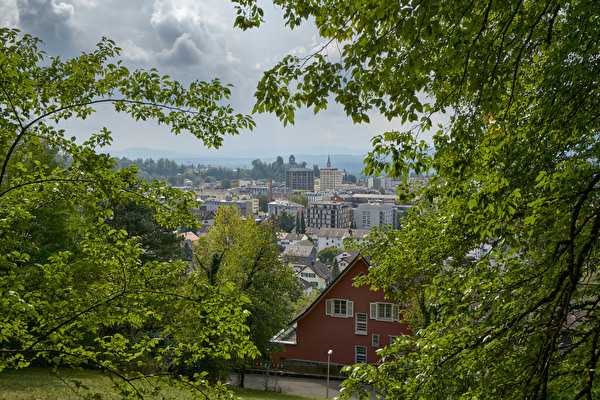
{"x":353,"y":164}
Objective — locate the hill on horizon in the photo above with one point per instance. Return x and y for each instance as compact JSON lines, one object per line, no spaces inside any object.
{"x":353,"y":164}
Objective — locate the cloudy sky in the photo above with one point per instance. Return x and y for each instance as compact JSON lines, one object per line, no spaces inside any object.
{"x":189,"y":40}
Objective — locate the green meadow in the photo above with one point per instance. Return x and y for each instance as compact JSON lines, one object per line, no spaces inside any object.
{"x":42,"y":384}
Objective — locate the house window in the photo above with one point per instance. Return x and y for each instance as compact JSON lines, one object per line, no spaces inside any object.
{"x":360,"y":325}
{"x":308,"y":275}
{"x":360,"y":354}
{"x":375,"y":340}
{"x":384,"y":311}
{"x":339,"y":308}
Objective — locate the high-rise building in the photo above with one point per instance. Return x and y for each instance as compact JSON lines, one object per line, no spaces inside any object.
{"x":300,"y":179}
{"x":331,"y":178}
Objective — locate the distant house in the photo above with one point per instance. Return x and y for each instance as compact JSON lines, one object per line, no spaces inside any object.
{"x":351,"y":321}
{"x":284,"y":238}
{"x":206,"y":219}
{"x":334,"y":237}
{"x":188,"y":238}
{"x":317,"y":274}
{"x":300,"y":254}
{"x":346,"y":258}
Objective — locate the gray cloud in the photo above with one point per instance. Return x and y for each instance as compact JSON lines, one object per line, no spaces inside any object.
{"x":189,"y":40}
{"x":50,"y":20}
{"x":191,"y":37}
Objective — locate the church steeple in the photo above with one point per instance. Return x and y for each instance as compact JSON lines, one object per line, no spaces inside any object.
{"x":328,"y":162}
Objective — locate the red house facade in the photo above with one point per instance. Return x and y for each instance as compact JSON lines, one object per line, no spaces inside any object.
{"x":351,"y":321}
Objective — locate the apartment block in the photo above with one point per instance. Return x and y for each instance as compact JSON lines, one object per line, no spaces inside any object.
{"x":300,"y":179}
{"x":328,"y":214}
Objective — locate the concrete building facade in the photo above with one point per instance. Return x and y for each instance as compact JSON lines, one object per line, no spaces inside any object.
{"x":328,"y":214}
{"x":331,"y":178}
{"x":367,"y":216}
{"x":300,"y":179}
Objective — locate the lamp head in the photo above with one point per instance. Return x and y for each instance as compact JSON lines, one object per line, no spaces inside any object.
{"x":330,"y":352}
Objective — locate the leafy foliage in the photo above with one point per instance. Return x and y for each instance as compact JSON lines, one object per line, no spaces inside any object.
{"x":286,"y":221}
{"x":239,"y":252}
{"x":499,"y":264}
{"x":300,"y":199}
{"x":66,"y":303}
{"x":328,"y":254}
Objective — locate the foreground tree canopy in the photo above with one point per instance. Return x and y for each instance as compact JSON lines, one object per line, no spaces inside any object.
{"x":499,"y":268}
{"x":239,"y":252}
{"x":88,"y":297}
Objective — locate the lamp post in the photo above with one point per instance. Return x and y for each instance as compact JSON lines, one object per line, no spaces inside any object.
{"x":329,"y":353}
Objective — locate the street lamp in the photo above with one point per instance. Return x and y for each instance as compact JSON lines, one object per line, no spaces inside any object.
{"x":329,"y":353}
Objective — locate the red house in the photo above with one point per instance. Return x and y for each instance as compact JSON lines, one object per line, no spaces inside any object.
{"x":352,"y":321}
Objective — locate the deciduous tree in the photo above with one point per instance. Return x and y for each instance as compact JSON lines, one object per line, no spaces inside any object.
{"x":248,"y":258}
{"x":501,"y":259}
{"x":61,"y":308}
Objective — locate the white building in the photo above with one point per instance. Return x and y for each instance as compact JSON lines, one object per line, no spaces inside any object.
{"x":334,"y":237}
{"x":367,"y":216}
{"x":275,"y":207}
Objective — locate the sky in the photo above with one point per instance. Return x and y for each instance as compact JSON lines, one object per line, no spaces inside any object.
{"x":191,"y":40}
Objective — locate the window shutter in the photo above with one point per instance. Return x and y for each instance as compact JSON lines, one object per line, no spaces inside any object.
{"x":349,"y":308}
{"x":328,"y":307}
{"x":373,"y":310}
{"x":395,"y":313}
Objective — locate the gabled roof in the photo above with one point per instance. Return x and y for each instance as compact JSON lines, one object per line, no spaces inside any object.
{"x":320,"y":269}
{"x":305,"y":284}
{"x":189,"y":236}
{"x":301,"y":249}
{"x":348,"y":255}
{"x":291,"y":236}
{"x":338,"y":232}
{"x":203,"y":214}
{"x":327,"y":289}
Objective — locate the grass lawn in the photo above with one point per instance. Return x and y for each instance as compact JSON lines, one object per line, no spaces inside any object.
{"x":40,"y":383}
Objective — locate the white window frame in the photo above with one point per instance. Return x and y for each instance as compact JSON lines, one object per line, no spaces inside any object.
{"x":360,"y":354}
{"x":375,"y":340}
{"x":377,"y":312}
{"x":359,"y":323}
{"x":330,"y":306}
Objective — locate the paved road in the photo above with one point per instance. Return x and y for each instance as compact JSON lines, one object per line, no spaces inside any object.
{"x":287,"y":384}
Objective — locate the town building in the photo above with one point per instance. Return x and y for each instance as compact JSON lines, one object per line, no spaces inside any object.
{"x":285,"y":239}
{"x":317,"y":274}
{"x":300,"y":254}
{"x":352,"y":322}
{"x":331,"y":178}
{"x":300,"y":179}
{"x":334,"y":237}
{"x":346,"y":258}
{"x":379,"y":182}
{"x":369,"y":215}
{"x":374,"y":198}
{"x":275,"y":207}
{"x":328,"y":214}
{"x":245,"y":207}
